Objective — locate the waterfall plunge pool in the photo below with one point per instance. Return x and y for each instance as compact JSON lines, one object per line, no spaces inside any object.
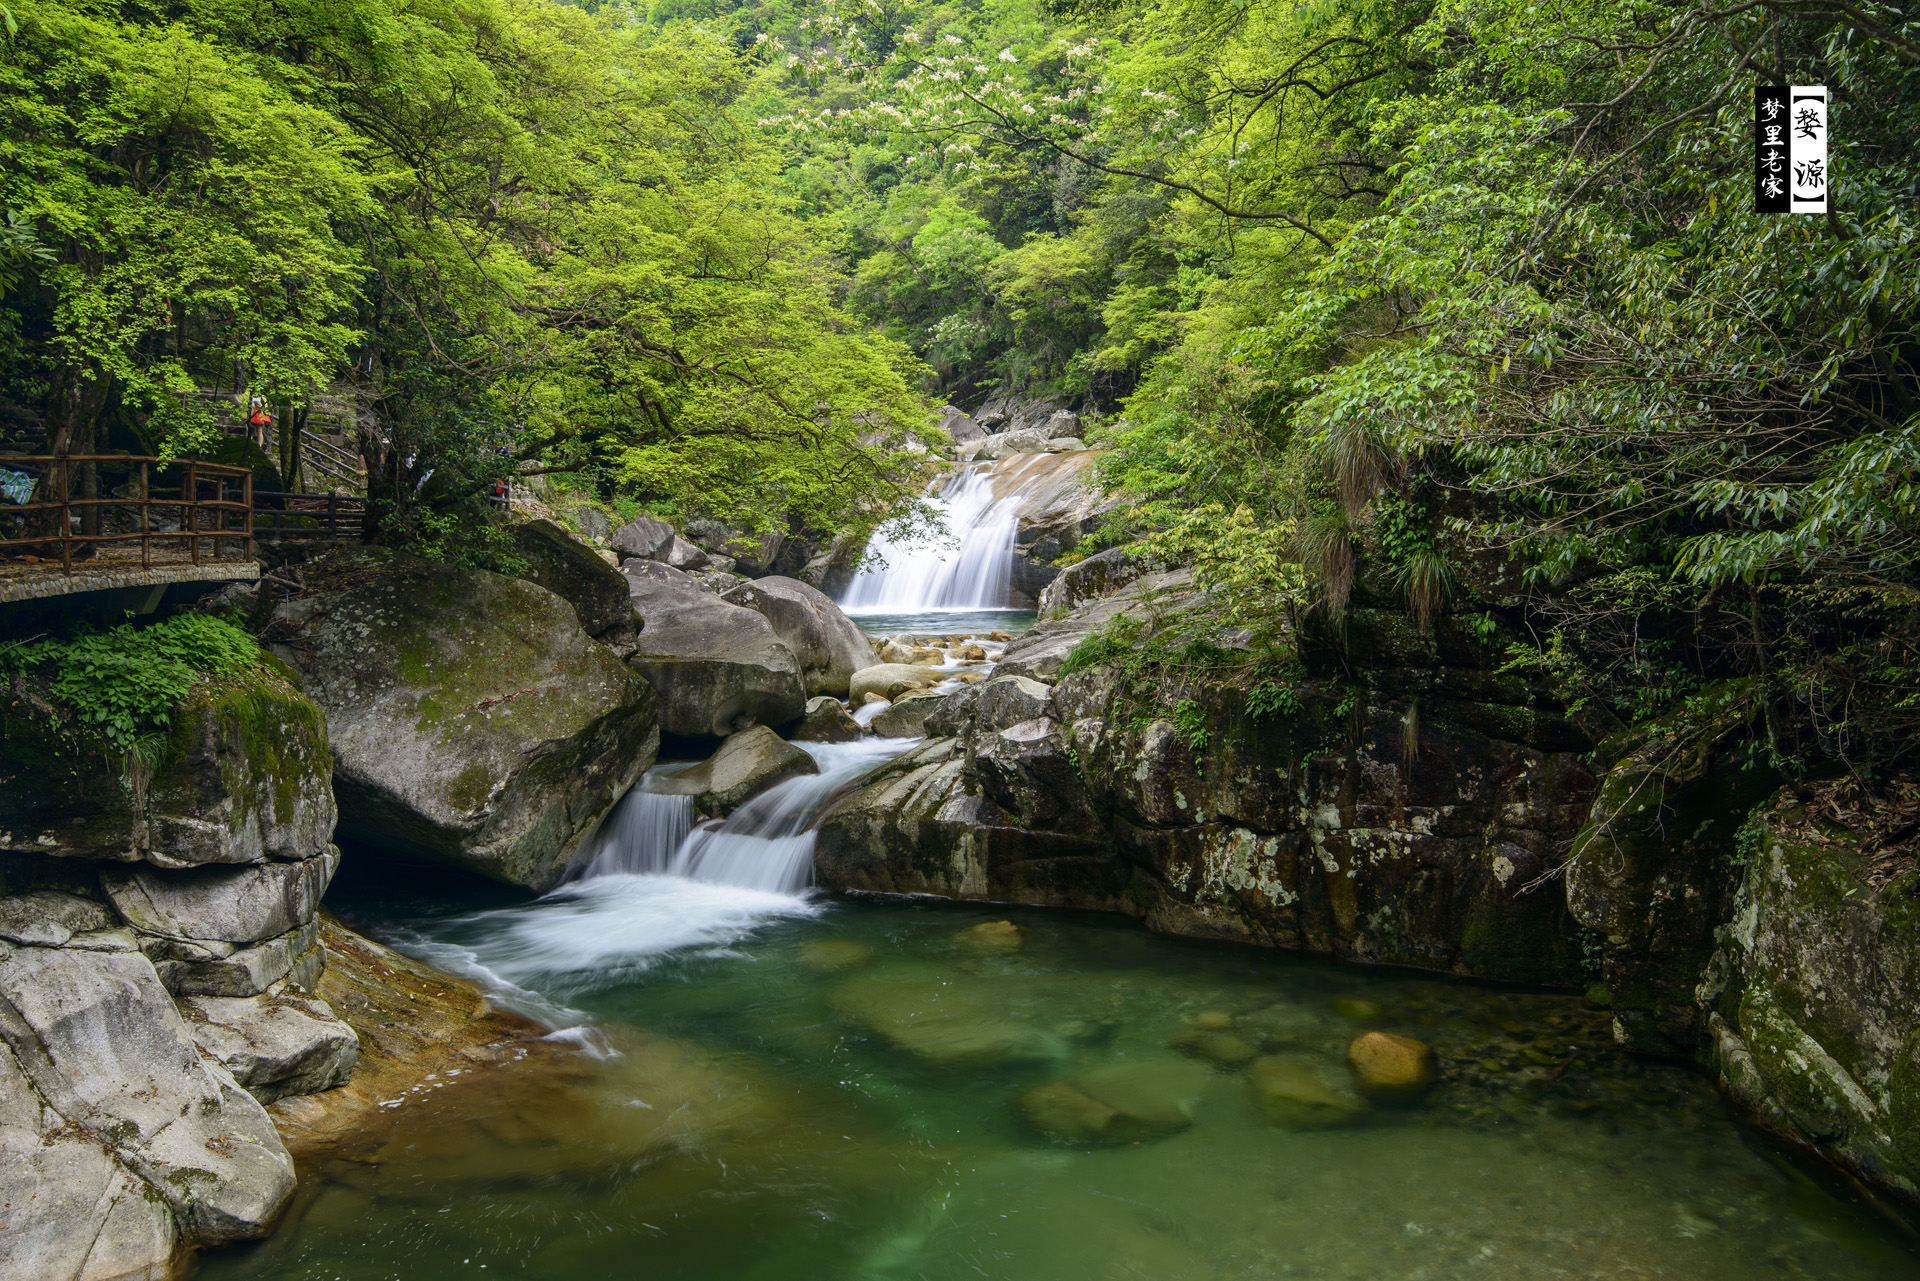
{"x":784,"y":1085}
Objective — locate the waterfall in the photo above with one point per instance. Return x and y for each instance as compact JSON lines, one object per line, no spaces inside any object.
{"x":652,"y":884}
{"x":764,"y":845}
{"x":977,"y":573}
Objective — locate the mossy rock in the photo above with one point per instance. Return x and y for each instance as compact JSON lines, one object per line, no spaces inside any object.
{"x":244,"y":774}
{"x":474,"y":721}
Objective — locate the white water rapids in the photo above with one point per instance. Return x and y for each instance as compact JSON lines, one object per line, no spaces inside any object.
{"x":653,"y":883}
{"x":971,"y":570}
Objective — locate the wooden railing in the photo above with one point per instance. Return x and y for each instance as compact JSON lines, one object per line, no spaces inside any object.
{"x":196,"y":518}
{"x":288,"y":518}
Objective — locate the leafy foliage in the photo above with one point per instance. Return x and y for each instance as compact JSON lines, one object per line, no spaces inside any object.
{"x":126,"y":681}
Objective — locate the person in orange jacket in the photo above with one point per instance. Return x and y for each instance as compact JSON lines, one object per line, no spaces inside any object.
{"x":258,"y":421}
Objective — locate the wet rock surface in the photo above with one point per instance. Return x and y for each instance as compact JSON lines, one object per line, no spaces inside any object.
{"x":827,"y":721}
{"x":473,"y":720}
{"x":747,"y":764}
{"x":825,"y":642}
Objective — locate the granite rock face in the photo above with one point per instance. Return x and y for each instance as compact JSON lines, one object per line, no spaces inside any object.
{"x":473,"y":719}
{"x":1812,"y":1000}
{"x":1403,"y":823}
{"x":716,"y":668}
{"x":106,"y":1054}
{"x":828,"y":645}
{"x":577,"y":574}
{"x":278,"y":1043}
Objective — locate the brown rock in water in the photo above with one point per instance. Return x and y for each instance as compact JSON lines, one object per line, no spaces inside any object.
{"x":412,"y":1021}
{"x":992,"y":936}
{"x":831,"y":956}
{"x":1213,"y":1020}
{"x":1391,"y":1067}
{"x":1355,"y":1010}
{"x":1124,"y":1103}
{"x":1300,"y":1091}
{"x":1223,"y":1048}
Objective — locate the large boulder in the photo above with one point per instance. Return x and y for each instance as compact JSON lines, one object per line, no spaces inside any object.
{"x":747,"y":764}
{"x":830,"y":647}
{"x":243,"y":775}
{"x":473,"y":719}
{"x":717,"y":668}
{"x":645,"y":539}
{"x":960,"y":427}
{"x":752,"y":554}
{"x":576,"y":573}
{"x":1813,"y":998}
{"x":908,"y":717}
{"x":109,"y":1058}
{"x":827,"y":721}
{"x":1100,"y":574}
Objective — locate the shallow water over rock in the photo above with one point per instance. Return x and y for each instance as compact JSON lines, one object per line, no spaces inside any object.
{"x":838,"y":1089}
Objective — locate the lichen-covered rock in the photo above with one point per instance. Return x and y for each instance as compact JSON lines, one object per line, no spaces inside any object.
{"x":222,"y":904}
{"x":1813,"y":999}
{"x":242,"y":776}
{"x":106,"y":1051}
{"x":747,"y":764}
{"x":1652,"y":870}
{"x":717,"y":668}
{"x":828,"y":645}
{"x":1028,"y":770}
{"x":278,"y":1043}
{"x":473,"y":719}
{"x":827,"y":721}
{"x":207,"y":968}
{"x":49,"y":918}
{"x":576,"y":574}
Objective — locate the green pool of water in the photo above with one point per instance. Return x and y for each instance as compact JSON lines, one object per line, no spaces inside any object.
{"x":831,"y":1089}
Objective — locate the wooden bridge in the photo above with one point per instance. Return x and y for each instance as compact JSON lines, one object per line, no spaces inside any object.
{"x":171,"y":521}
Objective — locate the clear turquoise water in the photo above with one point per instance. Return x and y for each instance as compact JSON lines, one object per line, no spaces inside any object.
{"x":821,"y":1088}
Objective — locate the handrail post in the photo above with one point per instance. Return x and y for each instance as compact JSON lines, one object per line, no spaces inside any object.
{"x":66,"y":518}
{"x":246,"y":496}
{"x":146,"y":539}
{"x":190,"y":494}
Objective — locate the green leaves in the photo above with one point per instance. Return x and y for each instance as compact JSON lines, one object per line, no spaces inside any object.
{"x":125,"y":683}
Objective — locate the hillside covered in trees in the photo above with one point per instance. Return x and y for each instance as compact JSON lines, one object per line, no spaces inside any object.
{"x":1421,"y":287}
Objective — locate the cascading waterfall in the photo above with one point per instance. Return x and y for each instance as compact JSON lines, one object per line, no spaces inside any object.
{"x":977,"y":573}
{"x":651,"y":883}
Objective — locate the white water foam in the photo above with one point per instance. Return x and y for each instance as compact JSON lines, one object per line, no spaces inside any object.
{"x":971,"y":570}
{"x":654,"y":885}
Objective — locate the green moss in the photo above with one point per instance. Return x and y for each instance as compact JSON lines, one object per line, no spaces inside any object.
{"x":472,"y":786}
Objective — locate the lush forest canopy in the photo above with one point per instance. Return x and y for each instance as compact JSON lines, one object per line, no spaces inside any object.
{"x":1410,"y":289}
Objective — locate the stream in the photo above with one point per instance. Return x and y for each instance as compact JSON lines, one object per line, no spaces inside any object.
{"x":762,"y":1082}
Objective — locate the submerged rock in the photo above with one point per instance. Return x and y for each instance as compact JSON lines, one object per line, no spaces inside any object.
{"x":1303,"y":1092}
{"x":1124,"y":1103}
{"x":747,"y":764}
{"x":1387,"y":1066}
{"x":472,"y":718}
{"x":827,"y":720}
{"x":924,"y":1013}
{"x":828,"y":645}
{"x":992,"y":936}
{"x":1225,"y":1048}
{"x":832,"y":956}
{"x":717,"y":668}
